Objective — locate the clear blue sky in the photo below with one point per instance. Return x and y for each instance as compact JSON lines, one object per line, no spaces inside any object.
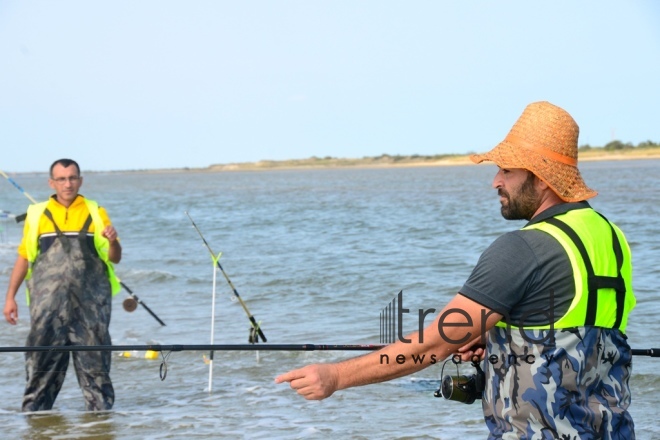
{"x":121,"y":85}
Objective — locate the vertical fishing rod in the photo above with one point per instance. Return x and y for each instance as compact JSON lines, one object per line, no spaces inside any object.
{"x":255,"y":325}
{"x":215,"y":271}
{"x":127,"y":307}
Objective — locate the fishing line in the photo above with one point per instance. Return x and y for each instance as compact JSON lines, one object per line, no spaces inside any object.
{"x":254,"y":323}
{"x":128,"y":305}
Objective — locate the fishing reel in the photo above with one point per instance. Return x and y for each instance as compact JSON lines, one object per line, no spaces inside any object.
{"x":253,"y":338}
{"x":462,"y":388}
{"x":130,"y":304}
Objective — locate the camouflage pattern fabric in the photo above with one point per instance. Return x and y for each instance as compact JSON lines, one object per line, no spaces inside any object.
{"x":558,"y":384}
{"x":70,"y":305}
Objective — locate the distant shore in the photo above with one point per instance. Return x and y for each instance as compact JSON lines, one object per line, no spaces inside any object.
{"x":383,"y":161}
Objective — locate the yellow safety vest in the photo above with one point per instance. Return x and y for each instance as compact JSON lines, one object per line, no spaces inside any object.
{"x":101,"y":243}
{"x":600,"y":258}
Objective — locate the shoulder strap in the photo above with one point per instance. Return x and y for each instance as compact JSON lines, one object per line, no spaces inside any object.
{"x":48,"y":214}
{"x":60,"y":235}
{"x":85,"y":228}
{"x":596,"y":282}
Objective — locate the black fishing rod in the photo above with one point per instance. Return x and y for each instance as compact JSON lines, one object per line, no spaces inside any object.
{"x":254,"y":323}
{"x":200,"y":347}
{"x":129,"y":306}
{"x":651,"y":352}
{"x":167,"y":350}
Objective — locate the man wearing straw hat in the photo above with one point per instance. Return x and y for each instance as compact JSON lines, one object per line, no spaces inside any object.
{"x":545,"y":308}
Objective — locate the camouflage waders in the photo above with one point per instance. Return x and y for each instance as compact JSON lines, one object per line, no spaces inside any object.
{"x":70,"y":304}
{"x":575,"y":388}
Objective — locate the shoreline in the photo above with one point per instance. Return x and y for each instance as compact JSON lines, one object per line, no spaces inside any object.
{"x":384,"y":161}
{"x":387,"y":162}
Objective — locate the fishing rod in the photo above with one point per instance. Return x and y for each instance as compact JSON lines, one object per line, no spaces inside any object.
{"x":195,"y":347}
{"x":167,"y":350}
{"x":129,"y":306}
{"x":215,"y":277}
{"x":21,"y":217}
{"x":254,"y":323}
{"x":651,"y":352}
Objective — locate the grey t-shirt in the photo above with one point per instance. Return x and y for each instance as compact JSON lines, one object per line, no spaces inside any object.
{"x":525,"y":275}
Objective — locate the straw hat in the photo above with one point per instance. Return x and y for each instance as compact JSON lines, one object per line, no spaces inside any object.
{"x":544,"y":141}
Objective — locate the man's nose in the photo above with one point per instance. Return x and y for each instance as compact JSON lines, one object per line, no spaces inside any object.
{"x":497,"y":180}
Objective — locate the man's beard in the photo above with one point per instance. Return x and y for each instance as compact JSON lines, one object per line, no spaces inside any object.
{"x":524,"y":205}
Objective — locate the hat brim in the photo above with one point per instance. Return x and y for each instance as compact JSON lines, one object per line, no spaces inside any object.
{"x":565,"y":180}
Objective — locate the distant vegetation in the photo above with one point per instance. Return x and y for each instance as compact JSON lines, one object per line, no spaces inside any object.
{"x":618,"y":145}
{"x":588,"y":152}
{"x":329,"y":161}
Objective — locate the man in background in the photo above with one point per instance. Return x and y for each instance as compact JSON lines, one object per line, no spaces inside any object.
{"x":66,"y":255}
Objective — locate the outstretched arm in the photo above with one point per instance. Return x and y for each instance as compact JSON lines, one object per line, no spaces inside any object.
{"x":457,"y":324}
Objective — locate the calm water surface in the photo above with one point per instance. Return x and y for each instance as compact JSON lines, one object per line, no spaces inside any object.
{"x":316,"y":255}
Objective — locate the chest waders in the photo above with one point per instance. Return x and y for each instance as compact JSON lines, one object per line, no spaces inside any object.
{"x":70,"y":305}
{"x":569,"y":379}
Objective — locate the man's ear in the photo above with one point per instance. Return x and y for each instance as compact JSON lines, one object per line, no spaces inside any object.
{"x":540,"y":184}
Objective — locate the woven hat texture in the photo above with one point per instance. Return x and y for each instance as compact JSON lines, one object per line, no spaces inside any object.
{"x":544,"y":140}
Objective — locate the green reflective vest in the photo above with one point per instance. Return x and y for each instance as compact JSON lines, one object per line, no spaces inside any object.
{"x":600,"y":257}
{"x":101,"y":243}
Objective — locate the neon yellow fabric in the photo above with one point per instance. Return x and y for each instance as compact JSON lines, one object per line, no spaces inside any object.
{"x":68,"y":219}
{"x":74,"y":217}
{"x":31,"y":234}
{"x":102,"y":244}
{"x":597,"y":238}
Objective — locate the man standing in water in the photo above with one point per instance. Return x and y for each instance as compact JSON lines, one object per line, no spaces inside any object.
{"x":66,"y":256}
{"x":549,"y":303}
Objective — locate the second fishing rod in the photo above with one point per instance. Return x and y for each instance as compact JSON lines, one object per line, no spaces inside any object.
{"x":256,"y":329}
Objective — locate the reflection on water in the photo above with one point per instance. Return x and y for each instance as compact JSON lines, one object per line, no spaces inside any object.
{"x":53,"y":425}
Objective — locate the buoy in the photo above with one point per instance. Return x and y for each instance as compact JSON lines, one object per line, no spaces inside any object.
{"x":149,"y":354}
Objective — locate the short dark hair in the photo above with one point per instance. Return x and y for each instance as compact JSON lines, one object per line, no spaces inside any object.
{"x":65,"y":163}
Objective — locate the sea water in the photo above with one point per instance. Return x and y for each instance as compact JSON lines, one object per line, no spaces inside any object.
{"x":315,"y":255}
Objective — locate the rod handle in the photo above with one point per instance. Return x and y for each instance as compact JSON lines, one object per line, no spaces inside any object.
{"x":652,"y":352}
